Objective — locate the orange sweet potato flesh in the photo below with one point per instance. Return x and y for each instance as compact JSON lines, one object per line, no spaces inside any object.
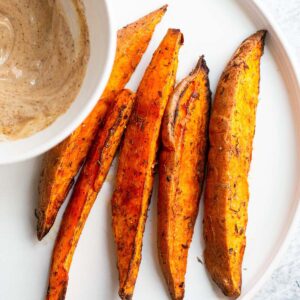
{"x":62,"y":163}
{"x":231,"y":133}
{"x":138,"y":157}
{"x":182,"y":161}
{"x":85,"y":192}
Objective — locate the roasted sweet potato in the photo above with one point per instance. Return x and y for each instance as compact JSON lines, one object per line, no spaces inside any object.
{"x":62,"y":163}
{"x":231,"y":133}
{"x":182,"y":161}
{"x":85,"y":192}
{"x":138,"y":157}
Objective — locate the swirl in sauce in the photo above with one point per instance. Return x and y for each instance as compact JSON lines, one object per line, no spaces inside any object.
{"x":42,"y":63}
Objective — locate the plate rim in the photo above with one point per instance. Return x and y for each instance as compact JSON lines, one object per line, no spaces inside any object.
{"x":268,"y":18}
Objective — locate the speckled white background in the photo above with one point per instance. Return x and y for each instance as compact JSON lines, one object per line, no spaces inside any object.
{"x":284,"y":283}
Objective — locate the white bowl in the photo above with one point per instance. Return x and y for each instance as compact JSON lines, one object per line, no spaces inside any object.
{"x":102,"y":43}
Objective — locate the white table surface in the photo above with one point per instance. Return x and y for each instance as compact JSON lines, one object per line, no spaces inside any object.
{"x":284,"y":283}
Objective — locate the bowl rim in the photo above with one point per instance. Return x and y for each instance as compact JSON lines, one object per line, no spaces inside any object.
{"x":85,"y":111}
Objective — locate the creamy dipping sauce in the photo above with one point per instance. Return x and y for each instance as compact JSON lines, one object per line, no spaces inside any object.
{"x":42,"y":63}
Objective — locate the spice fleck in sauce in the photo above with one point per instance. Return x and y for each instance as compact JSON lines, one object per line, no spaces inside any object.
{"x":42,"y":63}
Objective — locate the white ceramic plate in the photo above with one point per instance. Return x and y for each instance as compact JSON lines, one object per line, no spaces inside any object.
{"x":215,"y":28}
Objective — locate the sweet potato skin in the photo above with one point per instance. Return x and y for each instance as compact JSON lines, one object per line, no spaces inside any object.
{"x":231,"y":133}
{"x":132,"y":43}
{"x":62,"y":163}
{"x":182,"y":161}
{"x":137,"y":160}
{"x":85,"y":192}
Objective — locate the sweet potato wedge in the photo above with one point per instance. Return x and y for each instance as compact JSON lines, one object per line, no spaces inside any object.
{"x":85,"y":192}
{"x":138,"y":157}
{"x":231,"y":133}
{"x":182,"y":161}
{"x":62,"y":163}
